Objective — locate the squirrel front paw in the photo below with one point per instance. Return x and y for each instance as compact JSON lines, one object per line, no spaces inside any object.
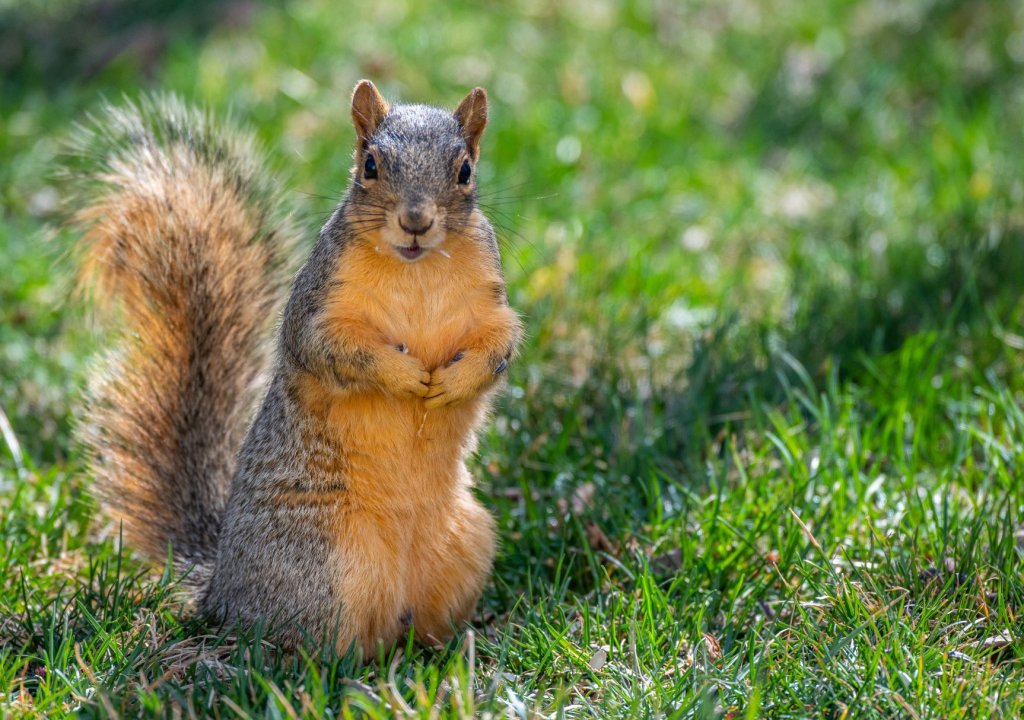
{"x":401,"y":374}
{"x":463,"y":378}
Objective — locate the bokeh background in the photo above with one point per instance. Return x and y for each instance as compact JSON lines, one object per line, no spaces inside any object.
{"x":761,"y":454}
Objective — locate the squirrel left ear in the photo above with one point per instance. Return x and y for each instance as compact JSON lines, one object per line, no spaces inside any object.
{"x":472,"y":116}
{"x":368,"y":109}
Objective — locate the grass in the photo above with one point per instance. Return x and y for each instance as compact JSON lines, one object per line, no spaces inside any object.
{"x":761,"y":456}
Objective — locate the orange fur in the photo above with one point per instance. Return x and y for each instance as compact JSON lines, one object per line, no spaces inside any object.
{"x":402,"y":462}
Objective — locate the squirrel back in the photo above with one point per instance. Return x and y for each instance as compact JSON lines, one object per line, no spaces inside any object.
{"x":185,"y":249}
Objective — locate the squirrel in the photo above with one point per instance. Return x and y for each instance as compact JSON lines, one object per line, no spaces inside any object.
{"x":344,"y":512}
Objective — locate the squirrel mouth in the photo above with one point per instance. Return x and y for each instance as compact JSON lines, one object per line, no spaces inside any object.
{"x":410,"y":252}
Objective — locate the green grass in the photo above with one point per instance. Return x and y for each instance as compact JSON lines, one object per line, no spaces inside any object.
{"x":762,"y":454}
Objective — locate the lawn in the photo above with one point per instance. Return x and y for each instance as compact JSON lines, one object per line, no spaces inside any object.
{"x":761,"y":455}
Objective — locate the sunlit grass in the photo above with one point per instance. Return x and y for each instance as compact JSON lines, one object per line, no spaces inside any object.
{"x":761,"y":455}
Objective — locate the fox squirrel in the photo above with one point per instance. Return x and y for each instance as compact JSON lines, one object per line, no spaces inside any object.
{"x":345,"y":510}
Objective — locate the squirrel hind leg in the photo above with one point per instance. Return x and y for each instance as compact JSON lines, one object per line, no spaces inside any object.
{"x":454,"y":579}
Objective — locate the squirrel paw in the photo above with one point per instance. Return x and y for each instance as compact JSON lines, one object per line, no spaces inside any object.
{"x":403,"y":375}
{"x":461,"y":379}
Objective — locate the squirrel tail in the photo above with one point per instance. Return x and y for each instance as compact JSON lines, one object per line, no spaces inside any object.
{"x":184,"y":247}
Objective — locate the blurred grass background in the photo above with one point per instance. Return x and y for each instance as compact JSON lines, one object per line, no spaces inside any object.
{"x":763,"y":447}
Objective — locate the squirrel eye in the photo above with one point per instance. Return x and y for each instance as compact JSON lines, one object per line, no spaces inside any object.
{"x":370,"y":168}
{"x":464,"y":172}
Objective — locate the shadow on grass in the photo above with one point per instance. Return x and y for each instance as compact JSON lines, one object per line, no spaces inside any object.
{"x":962,"y":299}
{"x":52,"y":44}
{"x":644,"y":448}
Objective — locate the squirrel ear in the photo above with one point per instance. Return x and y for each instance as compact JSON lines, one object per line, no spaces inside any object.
{"x":472,"y":116}
{"x":368,"y":109}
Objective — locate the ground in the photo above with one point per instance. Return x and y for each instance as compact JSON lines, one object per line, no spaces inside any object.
{"x":761,"y":455}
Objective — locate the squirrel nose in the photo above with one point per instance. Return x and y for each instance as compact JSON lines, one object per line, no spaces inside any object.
{"x":416,"y":219}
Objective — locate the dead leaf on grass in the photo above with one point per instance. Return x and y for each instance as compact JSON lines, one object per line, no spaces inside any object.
{"x":712,"y":647}
{"x":598,"y":540}
{"x":599,"y":659}
{"x":667,"y":563}
{"x":994,"y":642}
{"x":582,"y":500}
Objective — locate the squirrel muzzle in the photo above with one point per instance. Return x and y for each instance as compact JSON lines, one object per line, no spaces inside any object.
{"x":419,"y":229}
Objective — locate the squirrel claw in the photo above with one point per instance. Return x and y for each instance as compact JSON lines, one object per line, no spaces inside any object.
{"x":418,"y":389}
{"x":423,"y":387}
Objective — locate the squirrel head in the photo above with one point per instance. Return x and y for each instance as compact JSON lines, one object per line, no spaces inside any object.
{"x":414,"y":176}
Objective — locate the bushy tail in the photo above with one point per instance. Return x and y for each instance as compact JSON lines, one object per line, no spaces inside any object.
{"x":184,"y":246}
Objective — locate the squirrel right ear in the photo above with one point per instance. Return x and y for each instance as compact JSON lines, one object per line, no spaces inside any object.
{"x":368,"y":109}
{"x":472,"y":116}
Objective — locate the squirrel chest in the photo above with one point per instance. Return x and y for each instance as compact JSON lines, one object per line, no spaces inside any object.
{"x":426,"y":307}
{"x":391,"y":444}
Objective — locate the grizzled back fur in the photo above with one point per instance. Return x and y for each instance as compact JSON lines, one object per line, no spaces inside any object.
{"x":185,"y":246}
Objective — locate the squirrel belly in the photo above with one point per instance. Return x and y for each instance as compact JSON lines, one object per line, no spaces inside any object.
{"x":344,"y":512}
